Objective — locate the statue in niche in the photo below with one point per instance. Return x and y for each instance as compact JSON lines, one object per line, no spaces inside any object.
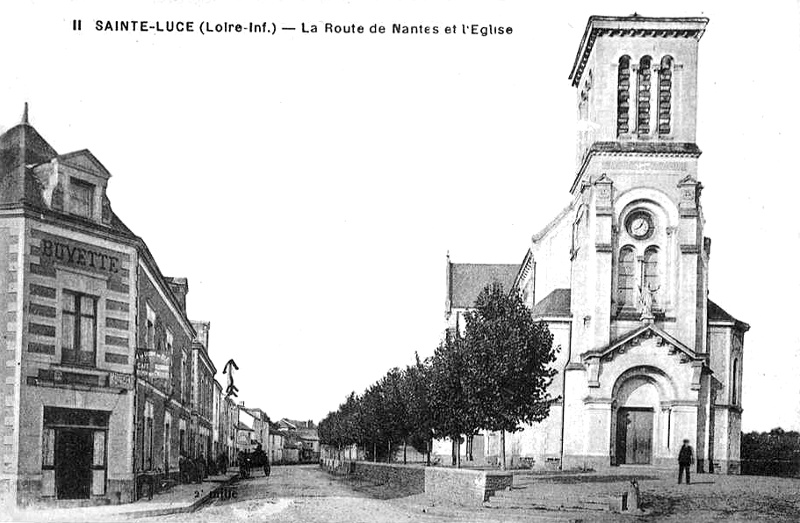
{"x":647,"y":299}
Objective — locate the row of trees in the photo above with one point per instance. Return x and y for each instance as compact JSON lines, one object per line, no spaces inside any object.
{"x":773,"y":453}
{"x":494,"y":376}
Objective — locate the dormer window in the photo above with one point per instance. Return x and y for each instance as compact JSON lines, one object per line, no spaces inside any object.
{"x":81,"y":198}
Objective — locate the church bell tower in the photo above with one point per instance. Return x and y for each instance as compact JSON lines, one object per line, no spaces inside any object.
{"x":638,"y":249}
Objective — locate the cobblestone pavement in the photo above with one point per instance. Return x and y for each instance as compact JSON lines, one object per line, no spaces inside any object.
{"x":306,"y":493}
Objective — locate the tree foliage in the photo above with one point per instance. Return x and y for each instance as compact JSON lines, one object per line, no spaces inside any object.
{"x":493,"y":377}
{"x":508,"y":362}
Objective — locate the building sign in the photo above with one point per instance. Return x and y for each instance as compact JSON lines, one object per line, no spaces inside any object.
{"x":154,"y":367}
{"x":121,"y":380}
{"x":57,"y":250}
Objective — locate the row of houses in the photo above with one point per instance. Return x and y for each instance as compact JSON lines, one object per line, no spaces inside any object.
{"x":106,"y":381}
{"x":293,"y":441}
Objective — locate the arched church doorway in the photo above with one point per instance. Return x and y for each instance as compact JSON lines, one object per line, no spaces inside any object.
{"x":637,"y":401}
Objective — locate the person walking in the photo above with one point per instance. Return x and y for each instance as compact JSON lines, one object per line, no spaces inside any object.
{"x":685,"y":460}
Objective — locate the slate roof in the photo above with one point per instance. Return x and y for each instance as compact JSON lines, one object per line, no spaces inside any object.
{"x":547,"y":228}
{"x":556,"y":304}
{"x":717,"y":313}
{"x":467,"y":280}
{"x":242,"y":426}
{"x":21,"y":149}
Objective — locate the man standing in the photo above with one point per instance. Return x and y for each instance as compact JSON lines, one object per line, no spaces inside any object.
{"x":685,"y":459}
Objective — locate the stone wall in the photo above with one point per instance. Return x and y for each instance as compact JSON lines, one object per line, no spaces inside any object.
{"x":464,"y":486}
{"x":441,"y":484}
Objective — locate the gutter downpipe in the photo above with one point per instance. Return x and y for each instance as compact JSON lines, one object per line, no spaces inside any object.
{"x":564,"y":394}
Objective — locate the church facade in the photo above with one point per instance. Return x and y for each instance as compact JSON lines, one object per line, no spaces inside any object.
{"x":644,"y":358}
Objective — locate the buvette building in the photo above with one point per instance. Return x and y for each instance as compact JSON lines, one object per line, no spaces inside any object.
{"x":645,"y":358}
{"x":97,"y":347}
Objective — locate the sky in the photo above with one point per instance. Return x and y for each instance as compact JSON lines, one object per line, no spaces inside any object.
{"x":309,"y":185}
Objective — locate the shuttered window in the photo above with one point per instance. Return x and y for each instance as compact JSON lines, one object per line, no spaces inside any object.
{"x":643,"y":96}
{"x":665,"y":96}
{"x":623,"y":95}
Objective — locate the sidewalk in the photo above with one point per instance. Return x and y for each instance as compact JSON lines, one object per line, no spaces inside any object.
{"x":178,"y":499}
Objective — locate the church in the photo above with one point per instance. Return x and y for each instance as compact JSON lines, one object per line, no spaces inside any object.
{"x":644,"y":358}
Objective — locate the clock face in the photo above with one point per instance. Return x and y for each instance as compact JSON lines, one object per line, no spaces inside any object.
{"x":640,"y":225}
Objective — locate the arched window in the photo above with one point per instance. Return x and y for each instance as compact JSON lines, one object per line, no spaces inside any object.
{"x":623,"y":94}
{"x":665,"y":95}
{"x":734,"y":377}
{"x":626,"y":296}
{"x":650,"y":279}
{"x":643,"y":96}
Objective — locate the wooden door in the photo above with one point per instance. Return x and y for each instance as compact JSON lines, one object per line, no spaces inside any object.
{"x":634,"y":436}
{"x":73,"y":460}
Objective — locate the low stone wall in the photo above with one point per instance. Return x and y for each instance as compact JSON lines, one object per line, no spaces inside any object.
{"x":464,"y":486}
{"x":441,"y":484}
{"x":408,"y":478}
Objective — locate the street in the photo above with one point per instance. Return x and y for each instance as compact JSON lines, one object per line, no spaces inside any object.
{"x":297,"y":493}
{"x":307,"y":493}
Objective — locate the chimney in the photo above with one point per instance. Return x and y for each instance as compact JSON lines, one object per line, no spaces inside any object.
{"x":180,"y":288}
{"x":202,"y":328}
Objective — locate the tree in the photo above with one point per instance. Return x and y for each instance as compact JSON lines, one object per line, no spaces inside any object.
{"x":451,"y":411}
{"x":395,"y":419}
{"x":417,"y":390}
{"x":507,"y":368}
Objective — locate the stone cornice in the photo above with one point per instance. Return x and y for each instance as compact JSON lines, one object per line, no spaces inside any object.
{"x":636,"y":148}
{"x":632,"y":27}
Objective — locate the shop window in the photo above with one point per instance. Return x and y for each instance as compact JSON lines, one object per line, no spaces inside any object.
{"x":99,"y":463}
{"x":48,"y":462}
{"x":78,"y":328}
{"x":643,"y":96}
{"x":625,"y":285}
{"x":665,"y":95}
{"x":81,"y":198}
{"x":623,"y":94}
{"x":48,"y":448}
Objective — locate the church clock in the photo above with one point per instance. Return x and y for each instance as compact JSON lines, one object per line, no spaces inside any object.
{"x":639,"y":225}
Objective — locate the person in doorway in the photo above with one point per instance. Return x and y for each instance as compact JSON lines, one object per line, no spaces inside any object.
{"x":685,"y":460}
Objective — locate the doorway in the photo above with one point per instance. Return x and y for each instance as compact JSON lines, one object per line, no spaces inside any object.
{"x":634,"y":436}
{"x":73,"y":463}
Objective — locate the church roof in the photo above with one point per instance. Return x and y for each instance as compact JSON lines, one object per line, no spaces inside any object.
{"x":718,"y":314}
{"x":467,"y":280}
{"x":556,"y":304}
{"x":549,"y":227}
